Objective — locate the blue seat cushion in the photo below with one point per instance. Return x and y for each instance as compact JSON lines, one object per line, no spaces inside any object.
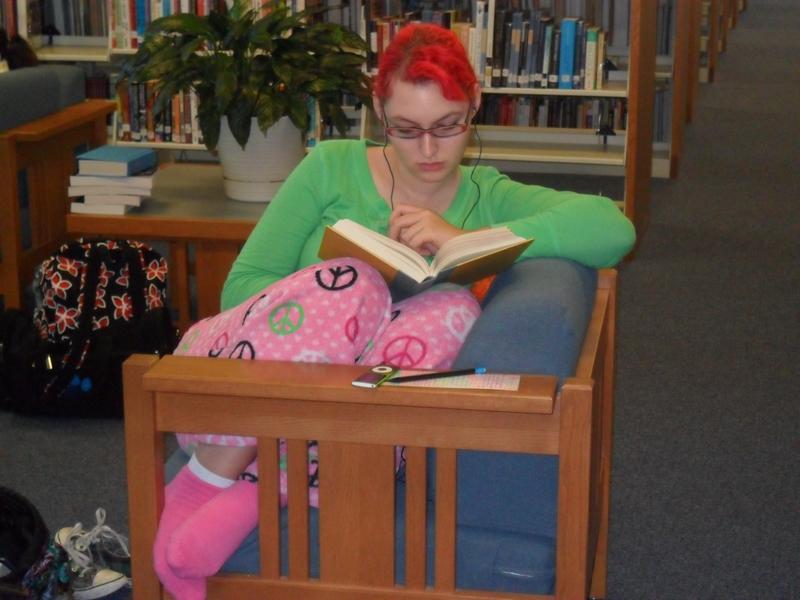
{"x":35,"y":92}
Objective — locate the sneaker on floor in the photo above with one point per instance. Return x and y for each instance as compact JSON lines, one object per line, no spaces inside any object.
{"x":107,"y":548}
{"x":90,"y":578}
{"x":91,"y":583}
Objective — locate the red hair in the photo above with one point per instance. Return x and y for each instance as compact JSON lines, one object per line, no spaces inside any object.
{"x":425,"y":52}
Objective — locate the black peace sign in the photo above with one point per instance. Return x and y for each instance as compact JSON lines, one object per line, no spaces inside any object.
{"x":219,"y":345}
{"x":250,"y":308}
{"x":336,"y":278}
{"x":243,"y":349}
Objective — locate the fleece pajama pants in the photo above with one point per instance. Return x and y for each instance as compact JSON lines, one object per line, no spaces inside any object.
{"x":339,"y":311}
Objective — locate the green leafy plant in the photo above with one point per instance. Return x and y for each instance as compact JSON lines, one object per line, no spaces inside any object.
{"x":242,"y":65}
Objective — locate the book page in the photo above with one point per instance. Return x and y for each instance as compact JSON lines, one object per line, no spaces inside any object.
{"x":470,"y":245}
{"x":396,"y":254}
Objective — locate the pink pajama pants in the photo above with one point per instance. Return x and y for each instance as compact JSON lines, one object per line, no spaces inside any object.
{"x":338,"y":311}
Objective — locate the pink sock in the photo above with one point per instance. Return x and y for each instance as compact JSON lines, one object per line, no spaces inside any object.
{"x":184,"y":495}
{"x":201,"y":545}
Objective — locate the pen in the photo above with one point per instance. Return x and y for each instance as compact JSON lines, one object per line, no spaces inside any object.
{"x":438,"y":375}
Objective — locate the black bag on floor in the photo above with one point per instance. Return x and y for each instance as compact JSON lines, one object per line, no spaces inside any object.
{"x":98,"y":303}
{"x":23,"y":536}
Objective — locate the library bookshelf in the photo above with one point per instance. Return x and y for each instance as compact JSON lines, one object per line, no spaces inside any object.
{"x":628,"y":154}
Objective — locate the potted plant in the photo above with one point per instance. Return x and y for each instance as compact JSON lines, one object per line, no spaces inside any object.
{"x":256,"y":78}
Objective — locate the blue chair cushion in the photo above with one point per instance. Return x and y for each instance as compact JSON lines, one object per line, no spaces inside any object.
{"x":35,"y":92}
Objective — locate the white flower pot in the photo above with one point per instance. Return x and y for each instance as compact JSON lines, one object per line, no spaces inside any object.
{"x":255,"y":173}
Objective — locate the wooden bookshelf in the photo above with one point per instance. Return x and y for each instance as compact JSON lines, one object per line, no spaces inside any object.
{"x":712,"y":40}
{"x":694,"y":59}
{"x":683,"y":78}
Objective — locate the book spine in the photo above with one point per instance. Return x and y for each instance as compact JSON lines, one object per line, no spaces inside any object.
{"x":547,"y":44}
{"x":555,"y":50}
{"x":566,"y":56}
{"x":498,"y":45}
{"x":591,"y":58}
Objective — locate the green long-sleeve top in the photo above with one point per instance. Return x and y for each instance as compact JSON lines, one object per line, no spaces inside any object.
{"x":334,"y":182}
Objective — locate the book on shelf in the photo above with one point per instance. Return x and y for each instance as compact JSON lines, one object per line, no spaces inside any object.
{"x":99,"y":209}
{"x":463,"y":259}
{"x":74,"y":191}
{"x":116,"y":160}
{"x":125,"y":199}
{"x":566,"y":56}
{"x":590,"y":78}
{"x":555,"y":57}
{"x":142,"y":181}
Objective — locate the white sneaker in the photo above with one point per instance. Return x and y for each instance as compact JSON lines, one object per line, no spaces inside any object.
{"x":91,"y":583}
{"x":89,"y":580}
{"x":107,"y":548}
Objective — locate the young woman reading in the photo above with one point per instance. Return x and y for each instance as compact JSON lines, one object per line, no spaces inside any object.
{"x":282,"y":303}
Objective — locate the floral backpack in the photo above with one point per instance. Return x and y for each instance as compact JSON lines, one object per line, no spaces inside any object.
{"x":97,"y":303}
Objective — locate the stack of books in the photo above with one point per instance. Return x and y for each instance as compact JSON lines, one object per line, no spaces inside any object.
{"x":112,"y":179}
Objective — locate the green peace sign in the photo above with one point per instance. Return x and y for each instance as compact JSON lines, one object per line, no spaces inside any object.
{"x":188,"y":340}
{"x":286,"y":318}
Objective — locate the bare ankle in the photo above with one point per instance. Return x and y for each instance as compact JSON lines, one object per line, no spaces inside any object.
{"x":226,"y":461}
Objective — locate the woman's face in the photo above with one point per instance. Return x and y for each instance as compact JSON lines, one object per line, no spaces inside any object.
{"x":428,"y":157}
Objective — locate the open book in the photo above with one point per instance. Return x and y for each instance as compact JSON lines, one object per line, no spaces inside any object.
{"x":463,"y":259}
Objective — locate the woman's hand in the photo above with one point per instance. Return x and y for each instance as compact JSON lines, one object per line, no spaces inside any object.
{"x":420,"y":229}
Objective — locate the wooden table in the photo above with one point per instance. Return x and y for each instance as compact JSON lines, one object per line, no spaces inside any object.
{"x":188,"y":208}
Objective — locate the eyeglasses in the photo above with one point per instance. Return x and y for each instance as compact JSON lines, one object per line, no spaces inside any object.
{"x":412,"y":133}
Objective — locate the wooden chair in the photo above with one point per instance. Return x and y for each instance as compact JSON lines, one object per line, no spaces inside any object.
{"x":45,"y":150}
{"x":356,"y":430}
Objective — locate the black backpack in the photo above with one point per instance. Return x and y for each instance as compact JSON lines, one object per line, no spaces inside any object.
{"x":98,"y":302}
{"x":23,"y":538}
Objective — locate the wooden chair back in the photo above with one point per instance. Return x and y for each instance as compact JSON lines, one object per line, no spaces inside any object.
{"x":44,"y":150}
{"x":356,"y":430}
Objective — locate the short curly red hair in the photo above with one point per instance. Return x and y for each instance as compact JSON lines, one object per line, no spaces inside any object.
{"x":425,"y":52}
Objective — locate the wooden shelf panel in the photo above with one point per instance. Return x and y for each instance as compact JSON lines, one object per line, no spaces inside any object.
{"x":73,"y":53}
{"x":590,"y":154}
{"x":161,"y":145}
{"x":612,"y":89}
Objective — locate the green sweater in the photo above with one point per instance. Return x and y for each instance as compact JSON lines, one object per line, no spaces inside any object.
{"x":334,"y":182}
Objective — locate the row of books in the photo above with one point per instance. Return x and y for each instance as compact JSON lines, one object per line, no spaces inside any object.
{"x":112,"y":179}
{"x":553,"y":111}
{"x":75,"y":18}
{"x":130,"y":18}
{"x":513,"y":48}
{"x":137,"y":121}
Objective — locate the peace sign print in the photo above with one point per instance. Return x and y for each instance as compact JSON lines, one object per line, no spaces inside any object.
{"x":351,"y":329}
{"x":243,"y":349}
{"x":336,"y":278}
{"x":187,"y":341}
{"x":404,"y":351}
{"x":252,"y":306}
{"x":286,"y":318}
{"x":459,"y":320}
{"x":311,"y":356}
{"x":218,"y":346}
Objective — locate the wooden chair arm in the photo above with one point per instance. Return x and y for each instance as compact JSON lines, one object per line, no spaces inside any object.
{"x":61,"y":121}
